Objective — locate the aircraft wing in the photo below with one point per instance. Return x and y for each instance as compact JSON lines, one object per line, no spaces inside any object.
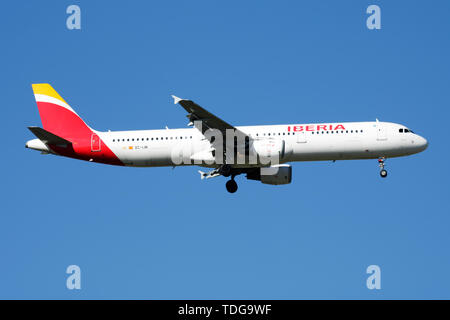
{"x":209,"y":121}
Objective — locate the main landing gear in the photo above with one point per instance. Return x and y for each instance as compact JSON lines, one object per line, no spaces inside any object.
{"x":383,"y":172}
{"x":231,"y":185}
{"x":226,"y":171}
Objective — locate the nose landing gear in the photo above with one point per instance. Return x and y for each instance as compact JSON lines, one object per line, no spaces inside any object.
{"x":231,"y":185}
{"x":383,"y":172}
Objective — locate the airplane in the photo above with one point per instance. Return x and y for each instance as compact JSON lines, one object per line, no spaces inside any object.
{"x":213,"y":143}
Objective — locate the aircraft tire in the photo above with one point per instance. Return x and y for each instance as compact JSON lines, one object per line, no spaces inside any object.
{"x":231,"y":186}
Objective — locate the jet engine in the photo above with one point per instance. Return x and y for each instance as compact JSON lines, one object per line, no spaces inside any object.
{"x":275,"y":175}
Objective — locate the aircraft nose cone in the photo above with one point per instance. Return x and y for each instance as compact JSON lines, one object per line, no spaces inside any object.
{"x":422,"y":143}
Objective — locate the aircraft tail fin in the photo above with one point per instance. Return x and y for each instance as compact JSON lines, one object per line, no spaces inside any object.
{"x":57,"y":117}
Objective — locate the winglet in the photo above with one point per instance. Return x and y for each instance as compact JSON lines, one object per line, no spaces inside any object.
{"x":176,"y":99}
{"x":202,"y":174}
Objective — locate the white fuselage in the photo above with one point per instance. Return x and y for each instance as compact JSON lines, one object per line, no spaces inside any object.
{"x":306,"y":142}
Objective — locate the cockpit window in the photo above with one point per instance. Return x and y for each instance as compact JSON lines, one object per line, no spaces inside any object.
{"x":400,"y":130}
{"x":406,"y":130}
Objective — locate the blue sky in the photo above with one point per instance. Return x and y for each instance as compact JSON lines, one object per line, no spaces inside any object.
{"x":158,"y":233}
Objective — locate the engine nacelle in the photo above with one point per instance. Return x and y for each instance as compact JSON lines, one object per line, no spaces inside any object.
{"x":275,"y":175}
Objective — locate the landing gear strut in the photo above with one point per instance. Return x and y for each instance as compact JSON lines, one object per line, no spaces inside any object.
{"x":383,"y":172}
{"x":231,"y":185}
{"x":225,"y":170}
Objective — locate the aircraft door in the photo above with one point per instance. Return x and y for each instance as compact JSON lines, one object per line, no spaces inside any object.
{"x":95,"y":143}
{"x":381,"y":132}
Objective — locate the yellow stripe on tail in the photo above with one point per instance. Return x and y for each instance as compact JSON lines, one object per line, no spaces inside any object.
{"x":46,"y":89}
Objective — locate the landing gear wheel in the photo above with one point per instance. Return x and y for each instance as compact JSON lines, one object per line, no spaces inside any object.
{"x":231,"y":186}
{"x":383,"y":172}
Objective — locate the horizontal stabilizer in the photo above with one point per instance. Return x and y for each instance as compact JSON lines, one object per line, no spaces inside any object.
{"x":48,"y":137}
